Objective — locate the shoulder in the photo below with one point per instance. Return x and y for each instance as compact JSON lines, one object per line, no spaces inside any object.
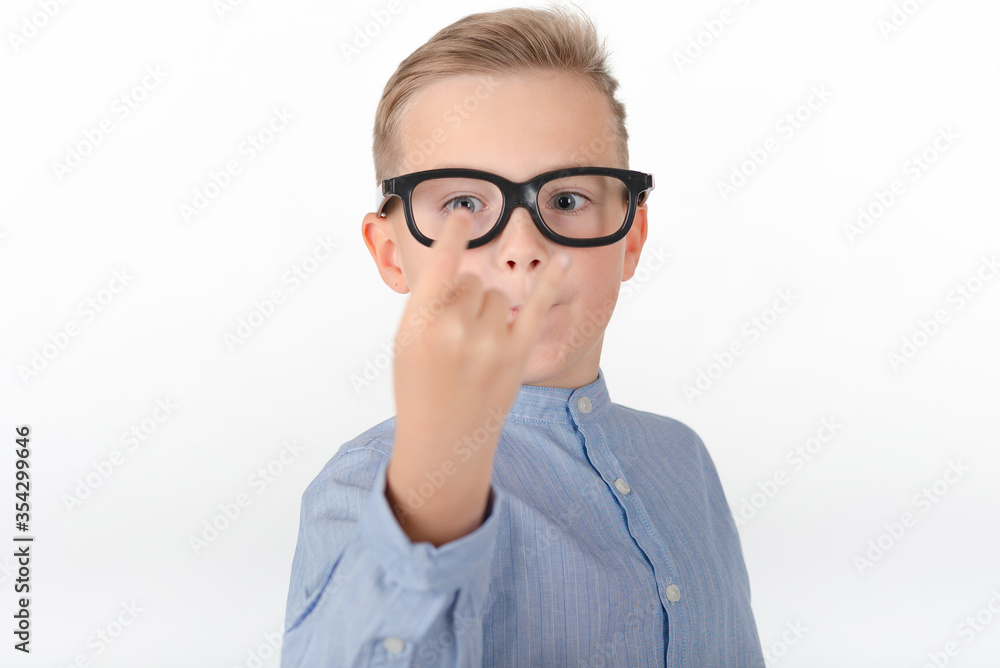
{"x":651,"y":436}
{"x":659,"y":426}
{"x":356,"y":462}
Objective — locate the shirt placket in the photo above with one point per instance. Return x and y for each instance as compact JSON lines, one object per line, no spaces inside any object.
{"x":669,"y":584}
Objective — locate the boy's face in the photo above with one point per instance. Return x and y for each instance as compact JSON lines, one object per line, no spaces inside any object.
{"x":528,"y":124}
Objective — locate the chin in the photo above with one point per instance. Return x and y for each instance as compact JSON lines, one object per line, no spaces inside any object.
{"x":544,"y":364}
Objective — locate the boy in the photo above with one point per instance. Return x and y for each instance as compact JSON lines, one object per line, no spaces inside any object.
{"x":510,"y":514}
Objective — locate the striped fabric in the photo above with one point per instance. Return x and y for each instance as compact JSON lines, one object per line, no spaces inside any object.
{"x":608,"y":542}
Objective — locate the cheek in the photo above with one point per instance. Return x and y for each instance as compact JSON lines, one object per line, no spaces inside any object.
{"x":593,"y":292}
{"x":598,"y":277}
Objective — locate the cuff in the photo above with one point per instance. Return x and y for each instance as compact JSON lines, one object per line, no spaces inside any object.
{"x":421,"y":566}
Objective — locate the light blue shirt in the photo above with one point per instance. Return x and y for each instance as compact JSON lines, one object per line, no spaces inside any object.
{"x":608,"y":541}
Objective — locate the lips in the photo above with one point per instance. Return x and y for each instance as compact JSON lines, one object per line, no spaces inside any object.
{"x":514,"y":310}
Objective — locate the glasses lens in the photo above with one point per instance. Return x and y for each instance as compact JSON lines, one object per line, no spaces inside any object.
{"x":434,"y":200}
{"x":585,"y":206}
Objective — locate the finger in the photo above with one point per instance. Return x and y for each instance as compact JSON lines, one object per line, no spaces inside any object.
{"x":445,"y":255}
{"x":532,"y":313}
{"x":495,"y":309}
{"x":466,"y":294}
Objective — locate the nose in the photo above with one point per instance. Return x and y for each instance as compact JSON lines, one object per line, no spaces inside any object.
{"x":521,"y":242}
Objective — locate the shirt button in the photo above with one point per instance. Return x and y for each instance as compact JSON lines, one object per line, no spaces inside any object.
{"x":673,"y":593}
{"x":583,"y":403}
{"x":393,"y":645}
{"x":622,"y":486}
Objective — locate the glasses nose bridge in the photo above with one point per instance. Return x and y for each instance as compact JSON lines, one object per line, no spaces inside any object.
{"x":521,"y":195}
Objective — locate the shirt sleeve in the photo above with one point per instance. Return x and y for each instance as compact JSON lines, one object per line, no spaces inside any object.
{"x":362,"y":594}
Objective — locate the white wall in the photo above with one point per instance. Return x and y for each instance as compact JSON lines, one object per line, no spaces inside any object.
{"x":161,"y":337}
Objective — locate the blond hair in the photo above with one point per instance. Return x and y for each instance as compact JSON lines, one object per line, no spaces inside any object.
{"x":515,"y":40}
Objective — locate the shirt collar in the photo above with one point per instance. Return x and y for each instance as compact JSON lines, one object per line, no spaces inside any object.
{"x":562,"y":403}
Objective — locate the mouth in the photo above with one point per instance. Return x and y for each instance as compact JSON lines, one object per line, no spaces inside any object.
{"x":514,"y":310}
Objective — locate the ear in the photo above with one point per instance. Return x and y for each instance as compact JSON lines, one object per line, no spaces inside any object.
{"x":634,"y":241}
{"x":379,"y":236}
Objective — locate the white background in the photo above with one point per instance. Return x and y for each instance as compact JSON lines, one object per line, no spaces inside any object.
{"x":162,"y":335}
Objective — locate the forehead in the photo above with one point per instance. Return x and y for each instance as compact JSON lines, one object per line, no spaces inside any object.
{"x":514,"y":125}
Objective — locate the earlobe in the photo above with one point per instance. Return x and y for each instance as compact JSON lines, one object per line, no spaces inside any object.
{"x":384,"y":251}
{"x":634,"y":241}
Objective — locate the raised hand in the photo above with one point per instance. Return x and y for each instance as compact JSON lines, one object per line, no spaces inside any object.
{"x":457,"y":371}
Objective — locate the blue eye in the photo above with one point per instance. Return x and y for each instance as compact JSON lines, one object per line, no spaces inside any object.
{"x":466,"y":201}
{"x":568,"y":202}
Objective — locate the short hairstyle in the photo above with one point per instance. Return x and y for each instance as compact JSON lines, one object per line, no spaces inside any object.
{"x":515,"y":40}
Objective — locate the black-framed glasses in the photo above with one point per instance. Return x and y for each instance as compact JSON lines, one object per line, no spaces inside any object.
{"x":577,"y":206}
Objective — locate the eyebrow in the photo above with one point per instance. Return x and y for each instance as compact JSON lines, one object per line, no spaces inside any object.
{"x":451,"y":165}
